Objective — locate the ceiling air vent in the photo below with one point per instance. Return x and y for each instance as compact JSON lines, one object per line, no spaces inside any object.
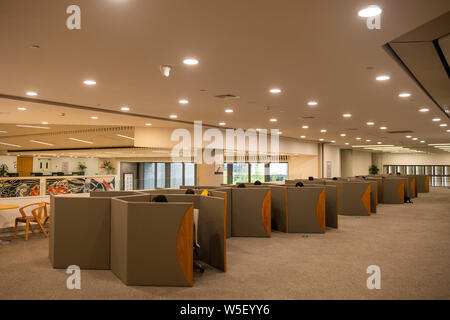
{"x":400,"y":132}
{"x":308,"y":117}
{"x":352,"y":129}
{"x":227,"y":96}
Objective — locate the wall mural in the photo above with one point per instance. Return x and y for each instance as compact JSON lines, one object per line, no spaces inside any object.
{"x":65,"y":186}
{"x":103,"y":184}
{"x":15,"y":188}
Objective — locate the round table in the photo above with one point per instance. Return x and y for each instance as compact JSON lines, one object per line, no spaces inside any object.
{"x":7,"y":207}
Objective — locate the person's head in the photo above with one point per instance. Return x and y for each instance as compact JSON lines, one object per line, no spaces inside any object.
{"x":399,"y":174}
{"x":363,"y":177}
{"x":258,"y":183}
{"x":299,"y":184}
{"x":190,"y":191}
{"x":334,"y":178}
{"x":241,"y":185}
{"x":311,"y":178}
{"x":160,"y":198}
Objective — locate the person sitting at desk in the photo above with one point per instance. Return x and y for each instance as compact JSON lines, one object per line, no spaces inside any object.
{"x":335,"y":178}
{"x":160,"y":198}
{"x":258,"y":183}
{"x":189,"y":191}
{"x":299,"y":185}
{"x":311,"y":178}
{"x":241,"y":185}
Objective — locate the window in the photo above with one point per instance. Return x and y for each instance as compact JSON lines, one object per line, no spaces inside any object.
{"x":225,"y":173}
{"x":160,"y":175}
{"x":176,"y":175}
{"x":189,"y":174}
{"x":439,"y":175}
{"x":240,"y":173}
{"x":149,"y":176}
{"x":257,"y":172}
{"x":278,"y":172}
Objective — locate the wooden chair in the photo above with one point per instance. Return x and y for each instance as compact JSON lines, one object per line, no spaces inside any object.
{"x":36,"y":217}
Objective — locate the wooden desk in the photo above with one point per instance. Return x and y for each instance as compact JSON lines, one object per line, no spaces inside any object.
{"x":7,"y":207}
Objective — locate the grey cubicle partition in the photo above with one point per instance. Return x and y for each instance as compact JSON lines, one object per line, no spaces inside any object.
{"x":422,"y":183}
{"x":379,"y":181}
{"x":80,"y":232}
{"x":251,"y":212}
{"x":412,"y":186}
{"x":111,"y":194}
{"x":393,"y":190}
{"x":306,"y":210}
{"x":151,"y":243}
{"x":356,"y":198}
{"x":340,"y":193}
{"x":331,"y":203}
{"x":219,"y":193}
{"x":306,"y":181}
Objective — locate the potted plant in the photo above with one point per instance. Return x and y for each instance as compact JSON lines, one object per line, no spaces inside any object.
{"x":107,"y":166}
{"x":373,"y":170}
{"x":3,"y":170}
{"x":82,"y":167}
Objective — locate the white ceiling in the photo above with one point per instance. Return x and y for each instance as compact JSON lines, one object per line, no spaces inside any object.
{"x":312,"y":50}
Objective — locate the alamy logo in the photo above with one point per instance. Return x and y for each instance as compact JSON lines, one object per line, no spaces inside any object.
{"x":373,"y":17}
{"x":74,"y":20}
{"x":74,"y":280}
{"x":374,"y":22}
{"x":374,"y":281}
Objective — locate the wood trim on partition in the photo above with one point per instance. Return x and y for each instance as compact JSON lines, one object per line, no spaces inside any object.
{"x":413,"y":188}
{"x":401,"y":191}
{"x":376,"y":192}
{"x":320,"y":211}
{"x":225,"y":233}
{"x":427,"y":183}
{"x":185,"y":248}
{"x":287,"y":211}
{"x":365,"y":199}
{"x":337,"y":208}
{"x":265,"y":212}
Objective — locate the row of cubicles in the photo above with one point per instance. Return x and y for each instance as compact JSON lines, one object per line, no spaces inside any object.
{"x":151,"y":244}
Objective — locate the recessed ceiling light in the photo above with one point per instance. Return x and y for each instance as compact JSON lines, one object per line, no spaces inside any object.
{"x":423,"y":141}
{"x":10,"y":145}
{"x":229,"y":110}
{"x":436,"y":119}
{"x":370,"y":11}
{"x":448,"y":130}
{"x":347,"y":143}
{"x":190,"y":61}
{"x":279,"y":132}
{"x":409,"y":137}
{"x":22,"y":109}
{"x":44,"y":122}
{"x":148,"y":124}
{"x":358,"y":138}
{"x":383,"y":128}
{"x":312,"y":103}
{"x":305,"y":127}
{"x":346,"y":115}
{"x":443,"y":125}
{"x":321,"y":139}
{"x":424,"y":110}
{"x":90,"y":82}
{"x":3,"y":131}
{"x":379,"y":142}
{"x":126,"y":137}
{"x":303,"y":137}
{"x":383,"y":78}
{"x":273,"y":120}
{"x":332,"y":141}
{"x":125,"y":109}
{"x":82,"y":141}
{"x":40,"y":142}
{"x":415,"y":139}
{"x":368,"y":140}
{"x":370,"y":123}
{"x":32,"y":127}
{"x":404,"y":95}
{"x":275,"y":90}
{"x":183,"y":101}
{"x":222,"y":124}
{"x":32,"y":94}
{"x":323,"y":131}
{"x":343,"y":135}
{"x":173,"y":116}
{"x":94,"y":118}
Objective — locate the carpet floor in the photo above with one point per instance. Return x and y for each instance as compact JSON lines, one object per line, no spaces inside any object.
{"x":410,"y":243}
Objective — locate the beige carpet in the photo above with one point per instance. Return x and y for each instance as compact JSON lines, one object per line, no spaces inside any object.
{"x":411,"y":244}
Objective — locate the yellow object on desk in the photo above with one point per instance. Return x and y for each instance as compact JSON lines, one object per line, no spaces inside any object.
{"x":8,"y":206}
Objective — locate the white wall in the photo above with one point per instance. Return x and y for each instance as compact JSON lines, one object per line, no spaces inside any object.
{"x":10,"y":161}
{"x":382,"y":159}
{"x":355,"y":163}
{"x":302,"y":167}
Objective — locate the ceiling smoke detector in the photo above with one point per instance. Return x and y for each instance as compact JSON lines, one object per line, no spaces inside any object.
{"x":165,"y":70}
